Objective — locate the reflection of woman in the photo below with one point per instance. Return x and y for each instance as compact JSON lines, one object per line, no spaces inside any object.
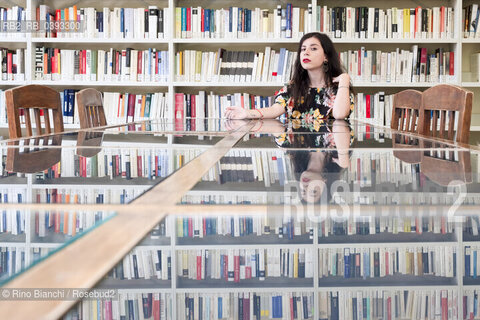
{"x":317,"y":170}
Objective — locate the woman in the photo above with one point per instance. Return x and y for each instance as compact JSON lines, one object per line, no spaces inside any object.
{"x":319,"y":87}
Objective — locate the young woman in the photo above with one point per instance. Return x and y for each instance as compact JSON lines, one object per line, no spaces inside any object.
{"x":319,"y":87}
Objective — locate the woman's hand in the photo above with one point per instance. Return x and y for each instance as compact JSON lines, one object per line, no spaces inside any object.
{"x":342,"y":80}
{"x":236,"y":113}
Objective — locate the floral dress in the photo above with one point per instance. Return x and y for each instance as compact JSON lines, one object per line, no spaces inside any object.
{"x":322,"y":109}
{"x":315,"y":135}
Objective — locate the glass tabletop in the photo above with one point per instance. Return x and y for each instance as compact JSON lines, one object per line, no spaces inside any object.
{"x":282,"y":246}
{"x":91,"y":167}
{"x":335,"y":164}
{"x":76,"y":169}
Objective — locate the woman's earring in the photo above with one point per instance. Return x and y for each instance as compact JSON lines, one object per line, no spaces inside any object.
{"x":325,"y":66}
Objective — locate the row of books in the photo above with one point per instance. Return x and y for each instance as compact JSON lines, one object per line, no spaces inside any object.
{"x":69,"y":223}
{"x":205,"y":105}
{"x":374,"y":108}
{"x":435,"y":260}
{"x":38,"y":253}
{"x":471,"y":304}
{"x":246,"y":305}
{"x":12,"y":260}
{"x":472,"y":262}
{"x":128,"y":163}
{"x":356,"y":304}
{"x":16,"y":15}
{"x":273,"y":65}
{"x":212,"y":197}
{"x":380,"y":167}
{"x":269,"y":166}
{"x":235,"y":265}
{"x":400,"y":66}
{"x":144,"y":263}
{"x":128,"y":107}
{"x":118,"y":107}
{"x":472,"y":226}
{"x":90,"y":195}
{"x":116,"y":23}
{"x":12,"y":221}
{"x":149,"y":65}
{"x":400,"y":196}
{"x":13,"y":64}
{"x":388,"y":304}
{"x":394,"y":23}
{"x":237,"y":226}
{"x":243,"y":23}
{"x":134,"y":306}
{"x":392,"y":225}
{"x":470,"y":15}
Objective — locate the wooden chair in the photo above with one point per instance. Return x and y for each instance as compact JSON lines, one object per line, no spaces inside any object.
{"x":405,"y":117}
{"x":446,"y":109}
{"x":90,"y":109}
{"x":41,"y":100}
{"x":406,"y":110}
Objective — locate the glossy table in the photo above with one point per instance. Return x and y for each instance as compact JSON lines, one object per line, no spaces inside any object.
{"x":200,"y":202}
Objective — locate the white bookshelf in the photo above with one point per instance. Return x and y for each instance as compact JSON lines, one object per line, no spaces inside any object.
{"x":173,"y":44}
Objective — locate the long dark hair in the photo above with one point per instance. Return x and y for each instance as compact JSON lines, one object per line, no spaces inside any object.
{"x":299,"y":86}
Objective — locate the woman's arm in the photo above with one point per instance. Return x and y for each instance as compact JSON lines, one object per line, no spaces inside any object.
{"x":268,"y":113}
{"x":341,"y":106}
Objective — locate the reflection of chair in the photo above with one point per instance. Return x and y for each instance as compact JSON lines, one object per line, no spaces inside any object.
{"x":442,"y":106}
{"x":402,"y":146}
{"x":87,"y":141}
{"x":406,"y":110}
{"x":41,"y":100}
{"x":33,"y":158}
{"x":90,"y":109}
{"x":444,"y":167}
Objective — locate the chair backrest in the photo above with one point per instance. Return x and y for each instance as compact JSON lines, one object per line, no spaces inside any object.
{"x":35,"y":99}
{"x":90,"y":109}
{"x":406,"y":110}
{"x":446,"y":109}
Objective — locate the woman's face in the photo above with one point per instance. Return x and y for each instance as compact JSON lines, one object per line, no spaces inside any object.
{"x":312,"y":55}
{"x":312,"y":185}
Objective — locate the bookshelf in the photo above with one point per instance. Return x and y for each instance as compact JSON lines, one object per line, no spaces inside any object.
{"x":454,"y":41}
{"x":453,"y":287}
